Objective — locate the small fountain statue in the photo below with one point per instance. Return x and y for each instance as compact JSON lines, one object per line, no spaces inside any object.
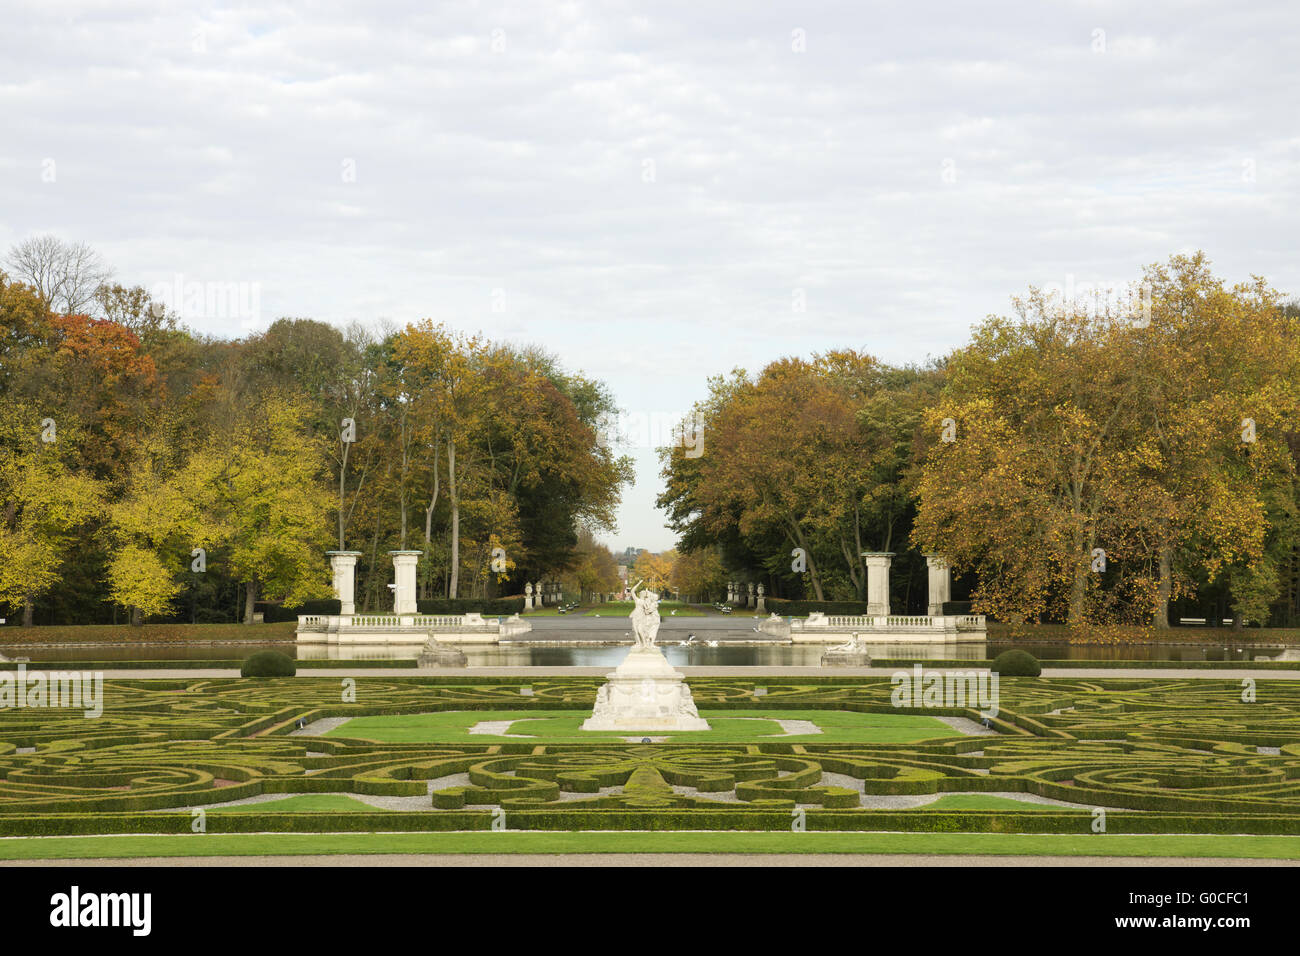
{"x":645,"y":616}
{"x":645,"y":692}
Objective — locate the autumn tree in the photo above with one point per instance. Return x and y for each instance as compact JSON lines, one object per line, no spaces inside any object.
{"x":45,"y":501}
{"x":594,"y":568}
{"x":656,"y":570}
{"x":261,"y":483}
{"x":818,"y":456}
{"x":1084,"y":462}
{"x":699,"y":574}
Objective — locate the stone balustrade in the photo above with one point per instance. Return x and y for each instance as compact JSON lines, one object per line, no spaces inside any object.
{"x":404,"y":629}
{"x":820,"y":627}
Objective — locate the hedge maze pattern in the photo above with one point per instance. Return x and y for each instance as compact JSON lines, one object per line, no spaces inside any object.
{"x":1160,"y":755}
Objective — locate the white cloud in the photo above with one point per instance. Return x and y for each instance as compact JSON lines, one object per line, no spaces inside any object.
{"x":504,"y":148}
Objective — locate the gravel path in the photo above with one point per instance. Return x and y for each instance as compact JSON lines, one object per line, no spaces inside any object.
{"x":497,"y":728}
{"x":969,"y":727}
{"x":318,"y":727}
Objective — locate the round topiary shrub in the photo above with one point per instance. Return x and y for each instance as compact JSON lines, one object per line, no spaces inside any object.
{"x":268,"y":664}
{"x":1017,"y":663}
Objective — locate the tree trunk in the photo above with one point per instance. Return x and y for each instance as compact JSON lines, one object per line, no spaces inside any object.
{"x":455,"y":519}
{"x":797,"y":534}
{"x":406,"y":458}
{"x":1164,"y":589}
{"x":858,"y":580}
{"x":250,"y":598}
{"x":1078,"y":591}
{"x":816,"y":579}
{"x":137,"y":619}
{"x":433,"y":501}
{"x":29,"y":608}
{"x":372,"y":577}
{"x":343,"y":471}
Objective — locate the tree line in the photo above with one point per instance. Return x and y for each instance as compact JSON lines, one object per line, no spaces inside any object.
{"x":1078,"y":461}
{"x":148,"y":471}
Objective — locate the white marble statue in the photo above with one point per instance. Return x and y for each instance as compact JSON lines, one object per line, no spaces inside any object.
{"x":645,"y":693}
{"x":686,"y":705}
{"x":645,"y":616}
{"x":852,"y":646}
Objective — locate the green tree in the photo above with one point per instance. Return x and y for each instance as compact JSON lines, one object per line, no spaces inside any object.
{"x":45,"y":503}
{"x":262,"y":486}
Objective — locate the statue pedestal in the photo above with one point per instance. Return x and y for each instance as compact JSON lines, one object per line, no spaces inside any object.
{"x":645,"y":693}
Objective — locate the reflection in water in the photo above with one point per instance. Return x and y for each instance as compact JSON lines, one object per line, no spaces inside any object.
{"x":809,"y":655}
{"x":726,"y":655}
{"x":770,"y":655}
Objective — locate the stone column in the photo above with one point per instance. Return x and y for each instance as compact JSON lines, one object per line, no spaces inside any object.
{"x":528,"y":596}
{"x":404,"y":577}
{"x":344,"y":566}
{"x":761,"y":606}
{"x":750,"y":602}
{"x":940,"y":583}
{"x":878,"y":581}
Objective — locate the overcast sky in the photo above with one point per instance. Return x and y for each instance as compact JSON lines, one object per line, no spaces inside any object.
{"x":653,"y":190}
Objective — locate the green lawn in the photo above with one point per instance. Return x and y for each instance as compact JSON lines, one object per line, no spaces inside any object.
{"x":624,"y":608}
{"x":728,"y":726}
{"x":147,"y":634}
{"x":992,"y":844}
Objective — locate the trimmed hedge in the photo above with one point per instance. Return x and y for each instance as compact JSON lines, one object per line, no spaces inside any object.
{"x":1187,"y":752}
{"x":497,"y":607}
{"x":276,"y":614}
{"x":1102,"y":665}
{"x":1016,"y":663}
{"x":788,"y":608}
{"x":754,"y":819}
{"x":268,"y":664}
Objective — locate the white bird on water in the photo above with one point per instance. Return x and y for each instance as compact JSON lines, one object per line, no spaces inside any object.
{"x":690,"y":639}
